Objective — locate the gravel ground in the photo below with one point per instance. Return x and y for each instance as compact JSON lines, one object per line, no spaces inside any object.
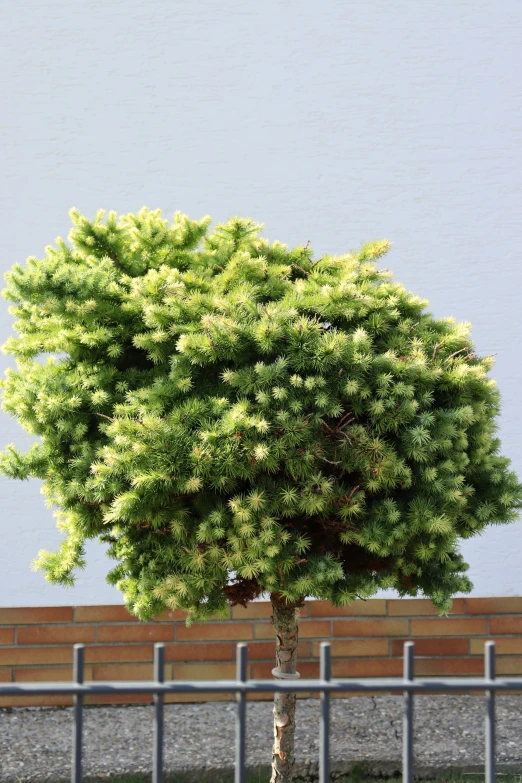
{"x":35,"y":743}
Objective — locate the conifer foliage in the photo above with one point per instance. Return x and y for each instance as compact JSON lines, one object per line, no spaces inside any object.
{"x":235,"y":418}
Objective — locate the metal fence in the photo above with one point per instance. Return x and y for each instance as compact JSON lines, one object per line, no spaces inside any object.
{"x":325,"y":685}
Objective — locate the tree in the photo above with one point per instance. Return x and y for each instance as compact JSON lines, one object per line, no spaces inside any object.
{"x":238,"y":419}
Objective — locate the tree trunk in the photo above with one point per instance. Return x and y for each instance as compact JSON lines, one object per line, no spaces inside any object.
{"x":285,"y":619}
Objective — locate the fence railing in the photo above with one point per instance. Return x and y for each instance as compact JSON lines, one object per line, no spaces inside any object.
{"x":241,"y":686}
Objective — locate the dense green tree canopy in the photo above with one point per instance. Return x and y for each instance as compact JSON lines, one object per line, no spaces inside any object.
{"x":235,"y":417}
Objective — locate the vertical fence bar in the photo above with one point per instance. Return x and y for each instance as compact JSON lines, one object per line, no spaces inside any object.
{"x":157,"y":752}
{"x":76,"y":766}
{"x":407,"y":717}
{"x":489,"y":673}
{"x":241,"y":676}
{"x":324,"y":726}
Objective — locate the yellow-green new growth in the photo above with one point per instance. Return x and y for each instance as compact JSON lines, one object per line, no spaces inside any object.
{"x":234,"y":417}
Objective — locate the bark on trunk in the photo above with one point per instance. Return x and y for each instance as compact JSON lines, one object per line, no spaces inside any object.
{"x":285,"y":619}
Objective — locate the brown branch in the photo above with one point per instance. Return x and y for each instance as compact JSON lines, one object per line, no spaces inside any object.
{"x":347,"y":498}
{"x":296,"y":266}
{"x":354,"y":490}
{"x":327,"y":426}
{"x":211,"y":341}
{"x":437,"y":348}
{"x":305,"y":423}
{"x":454,"y":354}
{"x":340,"y":424}
{"x":118,"y":264}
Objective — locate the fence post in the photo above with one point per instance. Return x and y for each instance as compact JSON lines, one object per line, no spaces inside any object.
{"x":76,"y":766}
{"x":241,"y":676}
{"x":488,"y":683}
{"x":159,"y":676}
{"x":324,"y":726}
{"x":489,"y":673}
{"x":407,"y":719}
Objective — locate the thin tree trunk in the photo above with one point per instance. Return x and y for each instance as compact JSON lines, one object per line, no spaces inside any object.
{"x":285,"y":619}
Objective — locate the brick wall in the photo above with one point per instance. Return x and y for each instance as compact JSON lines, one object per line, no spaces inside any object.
{"x":367,"y":641}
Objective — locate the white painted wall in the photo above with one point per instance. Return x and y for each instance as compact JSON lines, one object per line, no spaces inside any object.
{"x":335,"y":122}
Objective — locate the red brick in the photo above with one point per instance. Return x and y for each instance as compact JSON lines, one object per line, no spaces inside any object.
{"x":453,"y":627}
{"x":308,"y":629}
{"x":506,"y":625}
{"x":259,"y":610}
{"x":511,"y":665}
{"x":205,"y":671}
{"x":357,"y":648}
{"x":510,"y":605}
{"x":265,"y":631}
{"x":6,"y":635}
{"x":120,"y":653}
{"x":375,"y":667}
{"x":432,"y":647}
{"x":49,"y":674}
{"x":199,"y":652}
{"x":103,"y":614}
{"x":448,"y":666}
{"x":129,"y":671}
{"x":170,"y":616}
{"x":36,"y":614}
{"x":69,"y":634}
{"x":136,"y":633}
{"x":370,"y":627}
{"x":315,"y":629}
{"x":409,"y":607}
{"x":369,"y":608}
{"x":5,"y":675}
{"x":24,"y":656}
{"x":505,"y":646}
{"x":263,"y":671}
{"x":219,"y":631}
{"x":255,"y":610}
{"x":259,"y":651}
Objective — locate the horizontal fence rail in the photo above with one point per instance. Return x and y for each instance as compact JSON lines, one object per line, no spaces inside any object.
{"x":241,"y":686}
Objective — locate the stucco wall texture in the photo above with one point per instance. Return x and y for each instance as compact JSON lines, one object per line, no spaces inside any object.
{"x":334,"y":122}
